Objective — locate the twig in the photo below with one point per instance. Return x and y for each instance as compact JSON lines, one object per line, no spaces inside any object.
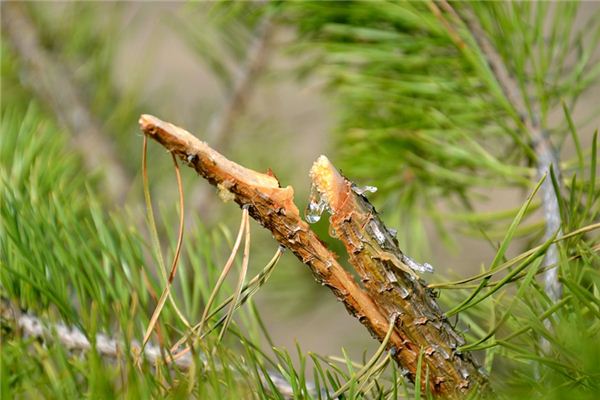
{"x":274,"y":208}
{"x":53,"y":84}
{"x":74,"y":339}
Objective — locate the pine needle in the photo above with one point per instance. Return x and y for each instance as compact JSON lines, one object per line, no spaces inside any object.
{"x":241,"y":278}
{"x":168,"y":280}
{"x":506,"y":265}
{"x":226,"y":270}
{"x":247,"y":291}
{"x":368,"y":369}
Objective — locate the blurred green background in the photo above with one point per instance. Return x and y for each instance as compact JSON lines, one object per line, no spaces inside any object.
{"x":253,"y":81}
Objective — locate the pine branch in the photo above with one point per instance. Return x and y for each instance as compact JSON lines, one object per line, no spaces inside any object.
{"x":73,"y":339}
{"x":52,"y":83}
{"x":388,"y":276}
{"x":274,"y":208}
{"x":547,"y":159}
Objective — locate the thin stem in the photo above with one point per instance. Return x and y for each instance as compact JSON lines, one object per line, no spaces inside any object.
{"x":181,"y":222}
{"x":225,"y":271}
{"x":154,"y":233}
{"x":242,"y":277}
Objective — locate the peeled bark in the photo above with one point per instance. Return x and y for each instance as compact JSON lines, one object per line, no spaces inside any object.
{"x":394,"y":287}
{"x":420,"y":325}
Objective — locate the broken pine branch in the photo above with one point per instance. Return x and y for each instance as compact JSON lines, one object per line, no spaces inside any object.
{"x":274,"y":208}
{"x":387,"y":276}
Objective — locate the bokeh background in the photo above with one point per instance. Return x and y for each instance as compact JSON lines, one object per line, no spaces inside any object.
{"x":243,"y":84}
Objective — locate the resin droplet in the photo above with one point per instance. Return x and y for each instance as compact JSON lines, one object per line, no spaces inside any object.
{"x":404,"y":293}
{"x":364,"y":189}
{"x":316,"y":206}
{"x":415,"y":266}
{"x":377,"y":233}
{"x":391,"y":276}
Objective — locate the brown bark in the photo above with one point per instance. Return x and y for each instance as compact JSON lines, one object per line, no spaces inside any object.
{"x":274,"y":208}
{"x":395,"y":288}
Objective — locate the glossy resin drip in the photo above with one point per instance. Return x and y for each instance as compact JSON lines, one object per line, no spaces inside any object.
{"x":316,"y":205}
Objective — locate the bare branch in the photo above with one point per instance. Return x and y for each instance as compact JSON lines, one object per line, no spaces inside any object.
{"x":73,"y":339}
{"x":547,"y":158}
{"x":52,"y":83}
{"x":274,"y":208}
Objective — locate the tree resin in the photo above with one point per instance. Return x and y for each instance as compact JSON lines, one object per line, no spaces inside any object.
{"x":363,"y":189}
{"x":316,"y":205}
{"x":415,"y":266}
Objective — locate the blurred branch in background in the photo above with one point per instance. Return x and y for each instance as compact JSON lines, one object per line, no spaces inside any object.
{"x":547,"y":156}
{"x":547,"y":163}
{"x":73,"y":339}
{"x":222,"y":126}
{"x":256,"y":61}
{"x":54,"y":85}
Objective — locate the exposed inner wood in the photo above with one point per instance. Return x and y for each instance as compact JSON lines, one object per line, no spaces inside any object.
{"x":374,"y":253}
{"x":420,"y":325}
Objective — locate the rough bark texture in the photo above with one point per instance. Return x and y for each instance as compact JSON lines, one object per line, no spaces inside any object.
{"x":274,"y":208}
{"x":374,"y":253}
